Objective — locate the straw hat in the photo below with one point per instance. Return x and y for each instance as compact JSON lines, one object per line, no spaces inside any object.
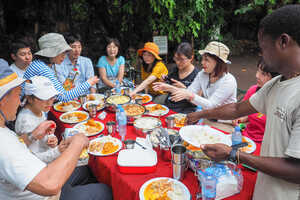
{"x":41,"y":87}
{"x":152,"y":48}
{"x":52,"y":44}
{"x":8,"y":78}
{"x":218,"y":49}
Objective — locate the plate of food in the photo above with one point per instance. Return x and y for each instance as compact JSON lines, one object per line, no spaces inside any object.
{"x":179,"y":119}
{"x":157,"y":109}
{"x":164,"y":188}
{"x":146,"y":98}
{"x":66,"y":106}
{"x":118,"y":99}
{"x":84,"y":154}
{"x":100,"y":104}
{"x":197,"y":135}
{"x":251,"y":145}
{"x":132,"y":110}
{"x":74,"y":117}
{"x":96,"y":96}
{"x":90,"y":127}
{"x":104,"y":146}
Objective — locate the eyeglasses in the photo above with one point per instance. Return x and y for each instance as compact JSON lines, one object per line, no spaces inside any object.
{"x":176,"y":59}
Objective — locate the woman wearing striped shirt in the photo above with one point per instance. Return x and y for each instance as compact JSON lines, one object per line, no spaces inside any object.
{"x":53,"y":51}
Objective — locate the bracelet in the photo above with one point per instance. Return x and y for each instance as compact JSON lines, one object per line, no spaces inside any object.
{"x":191,"y":98}
{"x":233,"y":155}
{"x":238,"y":156}
{"x":30,"y":137}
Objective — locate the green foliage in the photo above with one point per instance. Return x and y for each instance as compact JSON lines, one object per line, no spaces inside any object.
{"x":79,"y":10}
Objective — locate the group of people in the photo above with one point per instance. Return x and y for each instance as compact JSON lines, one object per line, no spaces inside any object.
{"x":34,"y":165}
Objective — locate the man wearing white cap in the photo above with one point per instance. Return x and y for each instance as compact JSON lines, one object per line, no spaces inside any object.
{"x":22,"y":174}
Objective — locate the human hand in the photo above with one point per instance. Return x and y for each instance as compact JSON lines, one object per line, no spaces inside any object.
{"x":44,"y":128}
{"x":132,"y":94}
{"x":52,"y":141}
{"x":192,"y":118}
{"x":177,"y":83}
{"x":180,"y":95}
{"x":217,"y":152}
{"x":63,"y":145}
{"x":93,"y":80}
{"x":160,"y":86}
{"x":237,"y":121}
{"x":79,"y":139}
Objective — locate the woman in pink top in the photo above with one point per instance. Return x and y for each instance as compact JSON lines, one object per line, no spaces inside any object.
{"x":256,"y":122}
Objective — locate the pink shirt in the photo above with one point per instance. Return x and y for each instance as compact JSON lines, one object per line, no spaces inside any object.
{"x":256,"y":127}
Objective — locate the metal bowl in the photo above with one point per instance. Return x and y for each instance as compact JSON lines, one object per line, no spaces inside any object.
{"x":142,"y":130}
{"x":111,"y":106}
{"x":132,"y":117}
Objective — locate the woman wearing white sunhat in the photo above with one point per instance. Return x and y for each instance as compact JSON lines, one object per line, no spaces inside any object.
{"x":213,"y":86}
{"x":53,"y":48}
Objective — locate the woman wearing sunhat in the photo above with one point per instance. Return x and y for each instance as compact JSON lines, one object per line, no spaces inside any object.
{"x":153,"y":69}
{"x":53,"y":49}
{"x":214,"y":85}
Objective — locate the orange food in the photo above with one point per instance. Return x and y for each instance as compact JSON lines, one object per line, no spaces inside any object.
{"x":158,"y":190}
{"x":247,"y":148}
{"x":155,"y":108}
{"x":133,"y":109}
{"x":179,"y":121}
{"x":92,"y":126}
{"x":109,"y":147}
{"x":80,"y":116}
{"x":62,"y":105}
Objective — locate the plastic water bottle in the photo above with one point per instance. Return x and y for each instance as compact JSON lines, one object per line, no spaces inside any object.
{"x":118,"y":87}
{"x":209,"y":186}
{"x":122,"y":122}
{"x":236,"y":136}
{"x":199,"y":108}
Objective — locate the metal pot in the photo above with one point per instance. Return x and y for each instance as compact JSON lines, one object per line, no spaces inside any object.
{"x":140,"y":131}
{"x":112,"y":107}
{"x":131,"y":118}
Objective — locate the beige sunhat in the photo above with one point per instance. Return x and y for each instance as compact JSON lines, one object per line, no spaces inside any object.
{"x":218,"y":49}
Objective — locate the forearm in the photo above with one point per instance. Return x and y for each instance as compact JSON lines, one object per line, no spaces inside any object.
{"x":144,"y":84}
{"x":121,"y":73}
{"x":283,"y":168}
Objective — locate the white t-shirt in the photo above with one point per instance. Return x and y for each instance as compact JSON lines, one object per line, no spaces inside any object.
{"x":16,"y":69}
{"x":26,"y":122}
{"x":18,"y":167}
{"x":280,"y":101}
{"x":222,"y":92}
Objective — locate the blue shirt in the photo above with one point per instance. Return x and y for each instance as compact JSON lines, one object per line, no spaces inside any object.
{"x":39,"y":68}
{"x":84,"y":66}
{"x":111,"y":71}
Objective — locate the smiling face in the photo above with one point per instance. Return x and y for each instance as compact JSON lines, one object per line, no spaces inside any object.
{"x":182,"y":61}
{"x":22,"y":58}
{"x":76,"y":50}
{"x":148,"y":57}
{"x":112,"y":50}
{"x":208,"y":63}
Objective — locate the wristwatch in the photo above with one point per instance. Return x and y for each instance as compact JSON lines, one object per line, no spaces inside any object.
{"x":232,"y":156}
{"x":30,"y":137}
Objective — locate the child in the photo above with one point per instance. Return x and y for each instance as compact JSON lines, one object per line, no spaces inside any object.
{"x":40,"y":94}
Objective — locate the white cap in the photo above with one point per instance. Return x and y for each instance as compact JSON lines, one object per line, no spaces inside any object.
{"x":41,"y":87}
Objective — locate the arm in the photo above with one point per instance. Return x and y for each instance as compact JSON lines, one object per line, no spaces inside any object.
{"x":143,"y":85}
{"x":227,"y":112}
{"x":51,"y":178}
{"x":90,"y":73}
{"x":102,"y":72}
{"x":49,"y":155}
{"x":121,"y":73}
{"x":161,"y":86}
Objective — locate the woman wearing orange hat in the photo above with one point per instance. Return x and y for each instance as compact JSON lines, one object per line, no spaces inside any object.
{"x":152,"y":70}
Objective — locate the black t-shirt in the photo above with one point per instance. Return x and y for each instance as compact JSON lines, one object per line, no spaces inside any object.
{"x":183,"y":106}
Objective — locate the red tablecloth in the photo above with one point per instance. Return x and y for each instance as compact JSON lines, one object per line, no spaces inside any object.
{"x":126,"y":187}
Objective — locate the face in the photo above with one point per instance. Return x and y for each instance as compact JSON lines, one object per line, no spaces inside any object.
{"x":59,"y":58}
{"x":41,"y":105}
{"x":23,"y":57}
{"x":112,"y":50}
{"x":208,"y":63}
{"x":262,"y":77}
{"x":148,"y":57}
{"x":76,"y":50}
{"x":182,"y":61}
{"x":10,"y":103}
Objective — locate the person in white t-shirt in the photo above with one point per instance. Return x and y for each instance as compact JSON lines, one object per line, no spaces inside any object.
{"x":40,"y":95}
{"x":22,"y":175}
{"x":279,"y":99}
{"x":213,"y":86}
{"x":21,"y":55}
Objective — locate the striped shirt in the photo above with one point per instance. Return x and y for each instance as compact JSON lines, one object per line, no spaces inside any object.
{"x":39,"y":68}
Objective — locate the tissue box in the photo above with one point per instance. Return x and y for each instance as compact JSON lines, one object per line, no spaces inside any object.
{"x":137,"y":161}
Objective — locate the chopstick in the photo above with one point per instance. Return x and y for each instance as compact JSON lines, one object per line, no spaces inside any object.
{"x":140,"y":145}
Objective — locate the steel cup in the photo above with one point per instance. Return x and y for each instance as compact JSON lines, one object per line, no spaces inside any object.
{"x":170,"y":121}
{"x":129,"y":144}
{"x":92,"y":108}
{"x":111,"y":128}
{"x":165,"y":153}
{"x":178,"y":170}
{"x":178,"y":154}
{"x":83,"y":99}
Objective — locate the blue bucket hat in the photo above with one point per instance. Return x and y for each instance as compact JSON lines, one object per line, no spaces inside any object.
{"x":8,"y":78}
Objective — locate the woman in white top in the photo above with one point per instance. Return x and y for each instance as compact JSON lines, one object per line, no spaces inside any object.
{"x":40,"y":94}
{"x":213,"y":86}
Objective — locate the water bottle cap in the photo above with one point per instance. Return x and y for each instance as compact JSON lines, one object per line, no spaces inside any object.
{"x":199,"y":107}
{"x":237,"y":128}
{"x":121,"y":109}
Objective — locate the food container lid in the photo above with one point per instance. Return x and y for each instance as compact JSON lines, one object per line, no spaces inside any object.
{"x":137,"y":158}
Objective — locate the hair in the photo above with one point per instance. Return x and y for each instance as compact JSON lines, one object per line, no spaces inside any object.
{"x":116,"y":42}
{"x":264,"y":67}
{"x":185,"y":49}
{"x":46,"y":60}
{"x":71,"y":38}
{"x":220,"y":68}
{"x":19,"y":44}
{"x":283,"y":20}
{"x":145,"y":65}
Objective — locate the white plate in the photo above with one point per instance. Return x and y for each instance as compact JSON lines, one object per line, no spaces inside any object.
{"x":72,"y":121}
{"x":67,"y":108}
{"x":184,"y":191}
{"x":82,"y":128}
{"x":178,"y":116}
{"x":150,"y":97}
{"x":197,"y":135}
{"x":157,"y":112}
{"x":251,"y":145}
{"x":96,"y":96}
{"x":94,"y":102}
{"x":105,"y":139}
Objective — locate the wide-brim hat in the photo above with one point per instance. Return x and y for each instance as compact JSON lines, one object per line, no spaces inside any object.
{"x":41,"y":87}
{"x":8,"y":79}
{"x":52,"y":44}
{"x":152,"y":48}
{"x":218,"y":49}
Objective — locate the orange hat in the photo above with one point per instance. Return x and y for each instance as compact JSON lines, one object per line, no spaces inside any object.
{"x":152,"y":48}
